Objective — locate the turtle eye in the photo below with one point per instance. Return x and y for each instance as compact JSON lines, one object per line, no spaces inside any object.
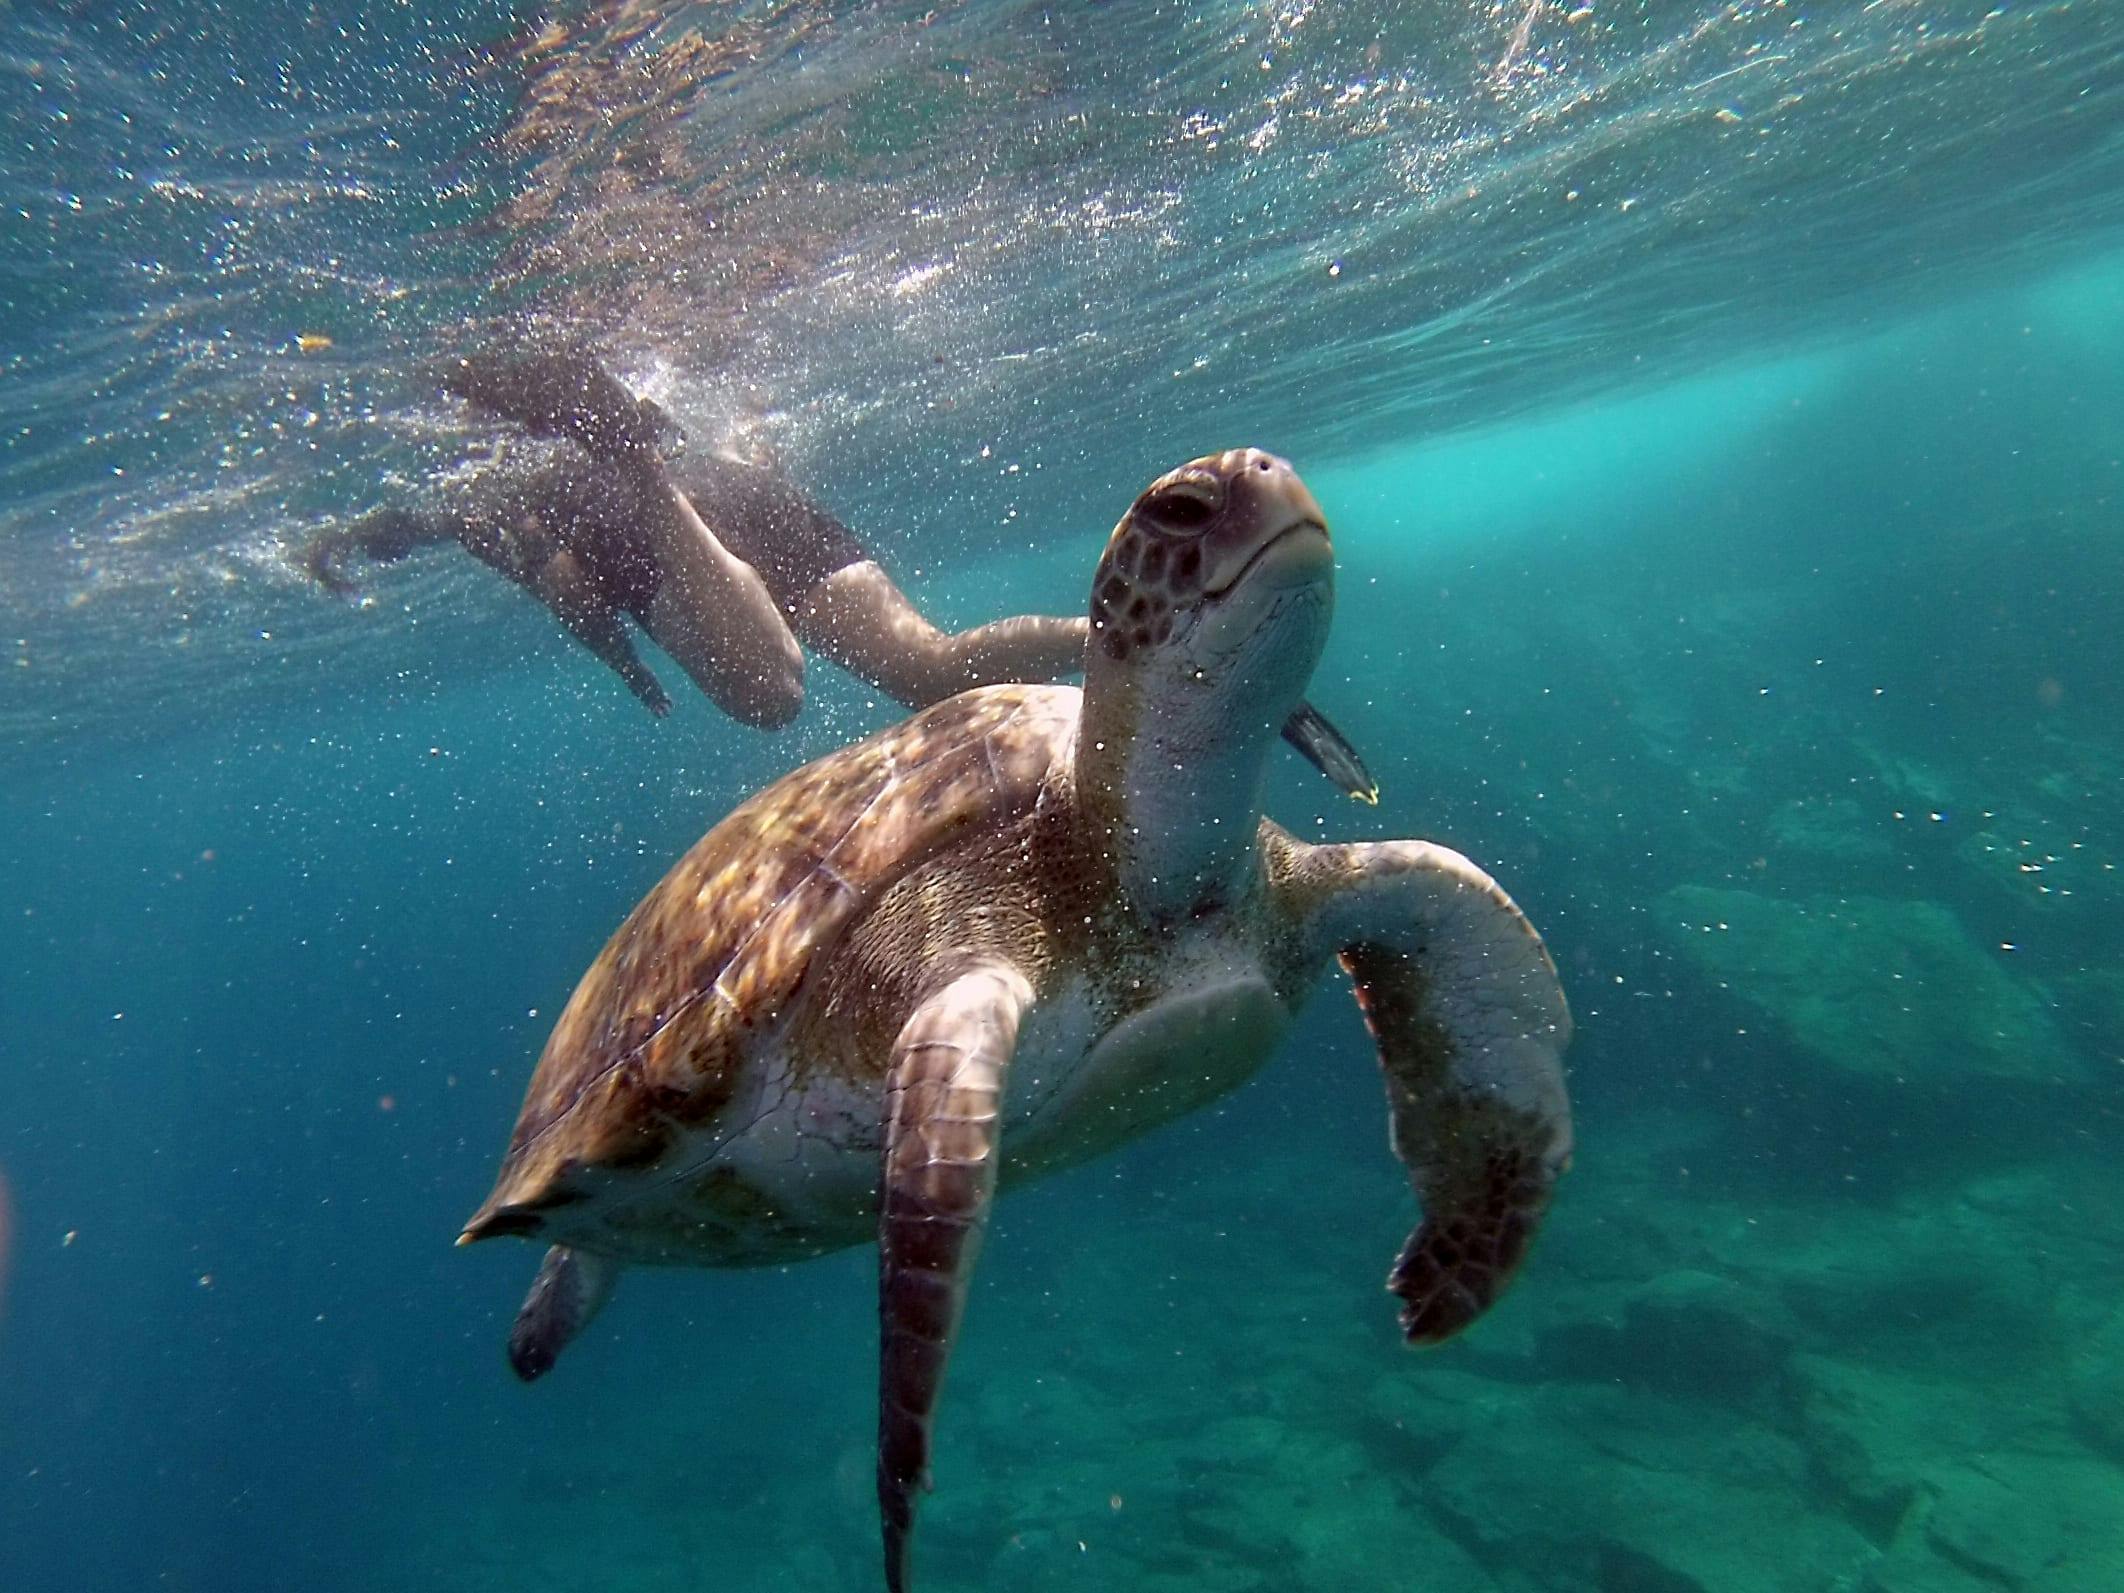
{"x":1179,"y":509}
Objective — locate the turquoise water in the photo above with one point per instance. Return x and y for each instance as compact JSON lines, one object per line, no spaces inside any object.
{"x":1756,"y":623}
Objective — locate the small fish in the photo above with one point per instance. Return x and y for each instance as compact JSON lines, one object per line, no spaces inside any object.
{"x":1329,"y":751}
{"x":312,"y":342}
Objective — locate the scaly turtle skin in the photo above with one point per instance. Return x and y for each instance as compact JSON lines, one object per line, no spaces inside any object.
{"x":1016,"y":930}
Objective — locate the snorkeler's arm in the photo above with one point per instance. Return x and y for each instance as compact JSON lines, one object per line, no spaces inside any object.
{"x":384,"y":537}
{"x":566,"y":394}
{"x":562,"y":586}
{"x":861,"y":620}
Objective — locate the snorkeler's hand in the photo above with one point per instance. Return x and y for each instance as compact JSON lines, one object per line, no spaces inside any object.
{"x":321,"y":561}
{"x":382,"y":537}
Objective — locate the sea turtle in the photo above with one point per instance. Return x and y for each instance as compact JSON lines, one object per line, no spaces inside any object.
{"x":1014,"y":931}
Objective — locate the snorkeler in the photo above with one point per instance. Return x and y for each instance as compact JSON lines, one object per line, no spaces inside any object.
{"x":724,"y":563}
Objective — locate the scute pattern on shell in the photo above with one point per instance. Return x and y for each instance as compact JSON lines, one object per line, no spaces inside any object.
{"x":714,"y":958}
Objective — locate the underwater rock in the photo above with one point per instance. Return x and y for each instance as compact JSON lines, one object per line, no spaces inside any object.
{"x":2049,"y":871}
{"x":2091,"y":1011}
{"x":1316,"y":1506}
{"x":2091,"y":1566}
{"x":2032,"y":833}
{"x":1069,"y":1402}
{"x":1914,"y":1568}
{"x":1619,"y":1569}
{"x":1204,"y":1578}
{"x":1935,"y":1284}
{"x":2012,"y":1517}
{"x":1564,"y":1480}
{"x":2053,"y":845}
{"x":1964,"y":1483}
{"x":1874,"y":1433}
{"x":1833,"y":829}
{"x":1359,"y":1532}
{"x":1891,"y":989}
{"x":2096,"y":1386}
{"x":1686,"y":1333}
{"x":1919,"y":786}
{"x":1410,"y":1423}
{"x":1702,"y":1316}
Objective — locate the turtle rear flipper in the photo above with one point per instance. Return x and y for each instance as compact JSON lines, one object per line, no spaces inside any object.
{"x":570,"y":1288}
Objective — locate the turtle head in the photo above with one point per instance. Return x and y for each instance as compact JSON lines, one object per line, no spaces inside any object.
{"x":1208,"y":613}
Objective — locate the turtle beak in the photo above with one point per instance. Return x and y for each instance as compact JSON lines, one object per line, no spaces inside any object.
{"x":1287,"y":529}
{"x":1284,"y":487}
{"x":1283,"y":498}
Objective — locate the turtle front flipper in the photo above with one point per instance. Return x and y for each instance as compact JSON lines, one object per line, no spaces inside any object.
{"x":943,"y":1099}
{"x":1471,"y":1025}
{"x":1327,"y":749}
{"x":571,"y":1287}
